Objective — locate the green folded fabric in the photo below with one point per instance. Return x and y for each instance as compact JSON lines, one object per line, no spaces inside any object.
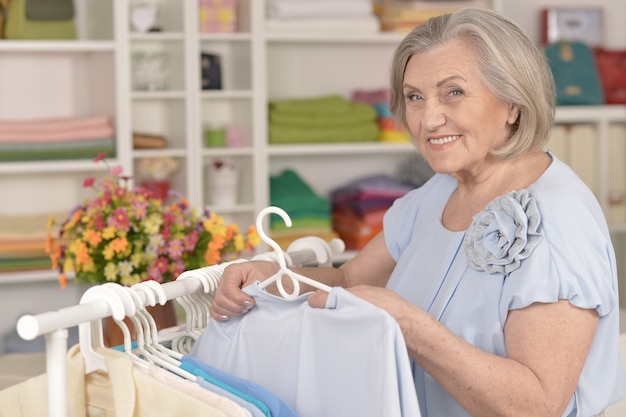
{"x":80,"y":151}
{"x":289,"y":192}
{"x":16,"y":264}
{"x":52,"y":146}
{"x":355,"y":114}
{"x":319,"y":105}
{"x":365,"y":132}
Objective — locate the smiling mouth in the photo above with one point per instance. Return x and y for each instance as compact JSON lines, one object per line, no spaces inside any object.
{"x":446,"y":139}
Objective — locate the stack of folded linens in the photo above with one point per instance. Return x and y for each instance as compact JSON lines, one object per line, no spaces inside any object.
{"x":309,"y":212}
{"x":321,"y":16}
{"x":321,"y":120}
{"x":56,"y":138}
{"x":23,"y":242}
{"x":359,"y":206}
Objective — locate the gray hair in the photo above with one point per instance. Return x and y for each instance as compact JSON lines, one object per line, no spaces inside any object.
{"x":512,"y":67}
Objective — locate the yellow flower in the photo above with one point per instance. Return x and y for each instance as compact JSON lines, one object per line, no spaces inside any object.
{"x":110,"y":271}
{"x":137,"y":259}
{"x":109,"y":233}
{"x":130,"y":280}
{"x":108,"y":252}
{"x":50,"y":222}
{"x":82,"y":253}
{"x":239,"y":243}
{"x":152,"y":223}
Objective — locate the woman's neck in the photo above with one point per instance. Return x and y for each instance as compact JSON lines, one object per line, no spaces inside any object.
{"x":474,"y":193}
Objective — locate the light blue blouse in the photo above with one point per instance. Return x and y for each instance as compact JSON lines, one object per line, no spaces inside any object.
{"x":574,"y":260}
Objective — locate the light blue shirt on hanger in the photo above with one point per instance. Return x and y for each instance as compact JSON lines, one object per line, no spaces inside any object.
{"x":348,"y":359}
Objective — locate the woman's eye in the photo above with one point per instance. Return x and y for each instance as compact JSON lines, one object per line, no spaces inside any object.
{"x":456,"y":92}
{"x":413,"y":97}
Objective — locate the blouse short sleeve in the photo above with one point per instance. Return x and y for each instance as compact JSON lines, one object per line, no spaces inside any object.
{"x":575,"y":259}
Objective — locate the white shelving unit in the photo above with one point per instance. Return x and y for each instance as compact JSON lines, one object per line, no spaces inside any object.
{"x":257,"y":66}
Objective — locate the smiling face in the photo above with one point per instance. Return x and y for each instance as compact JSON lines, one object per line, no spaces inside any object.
{"x":453,"y":117}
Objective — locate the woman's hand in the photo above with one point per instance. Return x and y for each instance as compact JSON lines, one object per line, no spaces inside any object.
{"x":229,"y":299}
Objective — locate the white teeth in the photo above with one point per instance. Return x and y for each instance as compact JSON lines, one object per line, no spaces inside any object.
{"x":447,"y":139}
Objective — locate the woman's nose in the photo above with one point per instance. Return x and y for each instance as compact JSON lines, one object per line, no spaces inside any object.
{"x":434,"y":116}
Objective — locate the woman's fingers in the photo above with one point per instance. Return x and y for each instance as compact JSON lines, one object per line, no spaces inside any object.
{"x":318,"y":299}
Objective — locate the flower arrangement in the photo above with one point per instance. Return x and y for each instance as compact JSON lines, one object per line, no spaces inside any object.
{"x":504,"y":234}
{"x":125,"y":235}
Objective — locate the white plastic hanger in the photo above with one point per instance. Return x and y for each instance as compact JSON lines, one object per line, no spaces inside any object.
{"x":196,"y":305}
{"x":295,"y":277}
{"x":130,"y":310}
{"x":153,"y":351}
{"x":90,"y":333}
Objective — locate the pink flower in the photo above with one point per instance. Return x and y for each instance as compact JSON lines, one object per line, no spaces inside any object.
{"x":175,"y":249}
{"x":190,"y":240}
{"x":89,"y":182}
{"x":153,"y":273}
{"x":116,"y":170}
{"x":98,"y":221}
{"x":100,"y":157}
{"x":178,"y":267}
{"x":141,"y":210}
{"x":119,"y":219}
{"x":162,"y":264}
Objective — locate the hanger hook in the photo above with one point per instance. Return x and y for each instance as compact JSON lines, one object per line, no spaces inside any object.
{"x":265,"y":238}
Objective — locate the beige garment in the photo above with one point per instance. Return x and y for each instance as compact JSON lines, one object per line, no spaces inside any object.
{"x":228,"y":406}
{"x":123,"y":391}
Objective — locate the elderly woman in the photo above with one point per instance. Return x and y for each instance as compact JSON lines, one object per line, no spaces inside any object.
{"x":500,"y":269}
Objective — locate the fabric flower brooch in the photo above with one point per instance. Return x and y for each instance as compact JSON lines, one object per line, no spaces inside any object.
{"x":503,"y":234}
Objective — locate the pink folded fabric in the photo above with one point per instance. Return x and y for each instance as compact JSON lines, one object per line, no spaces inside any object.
{"x":55,"y":123}
{"x":56,"y":129}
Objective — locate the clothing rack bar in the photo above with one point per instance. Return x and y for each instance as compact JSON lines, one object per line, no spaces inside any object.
{"x":31,"y":326}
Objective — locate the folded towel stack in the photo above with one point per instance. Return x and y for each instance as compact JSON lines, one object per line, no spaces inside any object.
{"x":309,"y":212}
{"x":323,"y":119}
{"x":359,"y":206}
{"x":56,"y":138}
{"x":23,"y":242}
{"x":404,"y":15}
{"x":390,"y":129}
{"x":323,"y":16}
